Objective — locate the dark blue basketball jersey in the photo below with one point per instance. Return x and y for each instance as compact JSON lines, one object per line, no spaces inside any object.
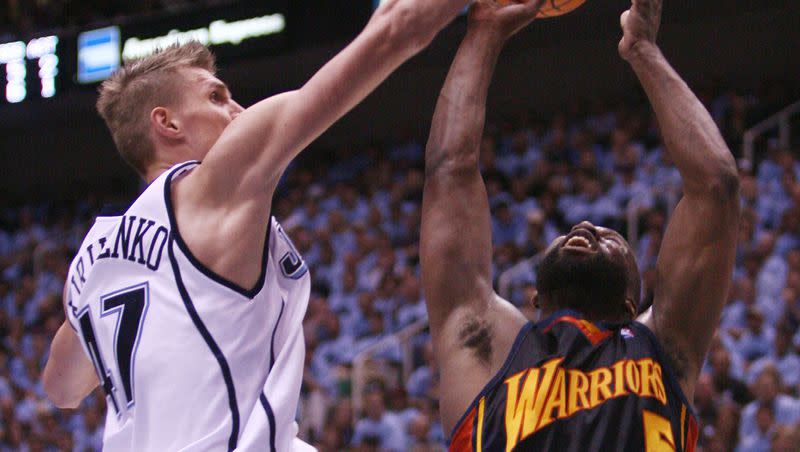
{"x":572,"y":385}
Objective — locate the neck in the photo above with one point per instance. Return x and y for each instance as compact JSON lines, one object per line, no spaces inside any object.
{"x":155,"y":170}
{"x":551,"y":307}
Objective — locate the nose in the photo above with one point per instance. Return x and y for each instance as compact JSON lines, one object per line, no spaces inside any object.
{"x":585,"y":225}
{"x":235,"y":109}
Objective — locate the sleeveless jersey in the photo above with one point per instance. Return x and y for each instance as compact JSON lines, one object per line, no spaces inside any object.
{"x":572,"y":385}
{"x":188,"y":360}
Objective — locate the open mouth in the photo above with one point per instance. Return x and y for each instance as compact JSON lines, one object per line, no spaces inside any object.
{"x":580,"y":239}
{"x":578,"y":242}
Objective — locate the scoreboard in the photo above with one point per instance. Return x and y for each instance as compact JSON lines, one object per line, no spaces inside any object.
{"x":42,"y":67}
{"x":30,"y":68}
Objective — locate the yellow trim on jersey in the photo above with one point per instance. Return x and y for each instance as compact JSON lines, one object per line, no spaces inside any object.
{"x":479,"y":436}
{"x":683,"y":427}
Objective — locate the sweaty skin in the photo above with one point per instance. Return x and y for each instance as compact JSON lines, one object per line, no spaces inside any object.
{"x":472,"y":328}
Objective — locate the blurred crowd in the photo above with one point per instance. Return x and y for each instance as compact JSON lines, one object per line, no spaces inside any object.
{"x":21,"y":17}
{"x":354,"y":214}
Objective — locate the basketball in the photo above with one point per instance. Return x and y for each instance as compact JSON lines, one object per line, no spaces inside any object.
{"x":553,"y":8}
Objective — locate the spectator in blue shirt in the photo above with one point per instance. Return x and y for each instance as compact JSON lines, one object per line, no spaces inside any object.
{"x":759,"y":440}
{"x":756,"y":340}
{"x":783,"y":357}
{"x":505,"y":225}
{"x":424,"y":381}
{"x":410,"y":306}
{"x":379,"y":424}
{"x":743,"y":296}
{"x":590,"y":204}
{"x":727,"y":370}
{"x":390,"y":351}
{"x":523,"y":156}
{"x":788,"y":233}
{"x":766,"y":388}
{"x":344,"y":300}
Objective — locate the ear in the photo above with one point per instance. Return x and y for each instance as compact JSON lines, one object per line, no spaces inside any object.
{"x":164,"y":122}
{"x":535,"y":300}
{"x":630,"y":308}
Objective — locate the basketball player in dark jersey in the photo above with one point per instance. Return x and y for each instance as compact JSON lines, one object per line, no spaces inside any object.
{"x":590,"y":375}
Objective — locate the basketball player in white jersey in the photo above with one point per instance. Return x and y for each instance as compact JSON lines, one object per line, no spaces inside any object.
{"x":187,"y":308}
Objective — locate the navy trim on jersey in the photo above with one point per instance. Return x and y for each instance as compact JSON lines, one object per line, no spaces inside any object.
{"x":663,"y":358}
{"x":270,"y":418}
{"x":495,"y":379}
{"x":210,"y":274}
{"x":544,"y":323}
{"x":71,"y":312}
{"x":215,"y":350}
{"x":275,"y":330}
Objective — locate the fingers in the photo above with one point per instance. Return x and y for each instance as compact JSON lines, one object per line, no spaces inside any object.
{"x":647,"y":6}
{"x":536,"y":5}
{"x":527,"y":6}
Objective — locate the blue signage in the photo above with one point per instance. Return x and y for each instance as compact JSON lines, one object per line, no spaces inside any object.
{"x":98,"y":54}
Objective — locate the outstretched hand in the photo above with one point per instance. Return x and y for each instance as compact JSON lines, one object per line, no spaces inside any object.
{"x":639,"y":25}
{"x":504,"y":17}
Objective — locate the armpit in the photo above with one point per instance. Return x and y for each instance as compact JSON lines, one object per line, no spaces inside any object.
{"x":476,"y":334}
{"x":677,"y":360}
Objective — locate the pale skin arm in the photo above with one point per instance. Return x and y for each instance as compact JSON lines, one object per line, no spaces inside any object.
{"x":69,"y":375}
{"x":472,"y":328}
{"x":223,"y":207}
{"x":262,"y":141}
{"x":218,"y":206}
{"x":696,"y":259}
{"x":251,"y":155}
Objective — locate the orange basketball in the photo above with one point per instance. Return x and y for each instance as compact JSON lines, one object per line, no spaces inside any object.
{"x":552,"y":8}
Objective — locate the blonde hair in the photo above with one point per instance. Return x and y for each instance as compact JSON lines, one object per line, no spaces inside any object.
{"x":130,"y":94}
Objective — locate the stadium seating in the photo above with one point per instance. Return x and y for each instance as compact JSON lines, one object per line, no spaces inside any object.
{"x":356,"y":222}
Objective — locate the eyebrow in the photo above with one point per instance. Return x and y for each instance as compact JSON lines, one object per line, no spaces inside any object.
{"x":216,"y":84}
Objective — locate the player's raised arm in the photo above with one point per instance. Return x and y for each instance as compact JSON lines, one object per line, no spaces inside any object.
{"x":252,"y":153}
{"x":456,"y":242}
{"x":696,"y":260}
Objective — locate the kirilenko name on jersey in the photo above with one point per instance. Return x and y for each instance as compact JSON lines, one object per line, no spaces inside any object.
{"x":138,"y":240}
{"x":538,"y":396}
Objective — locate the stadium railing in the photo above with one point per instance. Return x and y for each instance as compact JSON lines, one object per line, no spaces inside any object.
{"x":781,"y":120}
{"x":361,"y":361}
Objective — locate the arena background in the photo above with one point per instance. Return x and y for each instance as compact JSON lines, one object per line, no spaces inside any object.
{"x":547,"y":68}
{"x":56,"y":154}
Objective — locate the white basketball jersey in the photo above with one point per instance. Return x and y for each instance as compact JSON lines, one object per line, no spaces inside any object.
{"x":188,"y":360}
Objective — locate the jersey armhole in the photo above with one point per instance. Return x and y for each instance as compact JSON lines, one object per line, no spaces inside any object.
{"x":495,"y":379}
{"x":202,"y":268}
{"x":665,"y":363}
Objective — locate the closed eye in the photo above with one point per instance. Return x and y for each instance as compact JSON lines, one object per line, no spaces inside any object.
{"x":614,"y":238}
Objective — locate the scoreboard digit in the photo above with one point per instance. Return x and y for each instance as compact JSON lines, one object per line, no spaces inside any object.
{"x":41,"y":67}
{"x":30,"y":68}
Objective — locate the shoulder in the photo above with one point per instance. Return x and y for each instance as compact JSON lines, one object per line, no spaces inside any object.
{"x":750,"y":409}
{"x":669,"y":352}
{"x":677,"y":358}
{"x":784,"y":401}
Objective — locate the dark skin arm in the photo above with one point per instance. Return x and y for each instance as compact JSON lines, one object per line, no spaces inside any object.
{"x":472,"y":328}
{"x":696,"y":259}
